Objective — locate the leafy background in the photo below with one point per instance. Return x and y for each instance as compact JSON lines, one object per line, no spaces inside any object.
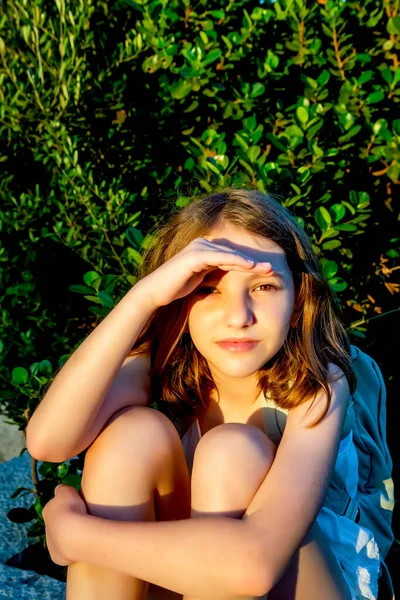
{"x":113,"y":113}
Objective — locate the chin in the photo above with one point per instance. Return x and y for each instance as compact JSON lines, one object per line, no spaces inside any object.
{"x":237,"y":367}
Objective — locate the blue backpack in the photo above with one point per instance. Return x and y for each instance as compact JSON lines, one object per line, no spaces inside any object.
{"x":374,"y":503}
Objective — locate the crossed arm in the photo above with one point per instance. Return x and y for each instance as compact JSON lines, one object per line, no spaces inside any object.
{"x":220,"y":557}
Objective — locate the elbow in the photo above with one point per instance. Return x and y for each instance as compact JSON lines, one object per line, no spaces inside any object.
{"x":260,"y":586}
{"x":39,"y":453}
{"x":255,"y":585}
{"x":255,"y":582}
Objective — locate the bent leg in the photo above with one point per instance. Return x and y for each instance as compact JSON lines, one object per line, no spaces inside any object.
{"x":230,"y":463}
{"x":135,"y":470}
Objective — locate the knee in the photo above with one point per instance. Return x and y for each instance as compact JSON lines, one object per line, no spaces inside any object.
{"x":234,"y":446}
{"x":129,"y":433}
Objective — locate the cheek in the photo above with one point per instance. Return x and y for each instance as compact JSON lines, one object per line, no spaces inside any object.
{"x":198,"y":317}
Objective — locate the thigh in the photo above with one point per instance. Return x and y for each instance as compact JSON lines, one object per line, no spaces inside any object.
{"x":313,"y":572}
{"x":136,"y":470}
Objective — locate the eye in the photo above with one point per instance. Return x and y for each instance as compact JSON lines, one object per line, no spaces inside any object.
{"x":203,"y":290}
{"x":268,"y":285}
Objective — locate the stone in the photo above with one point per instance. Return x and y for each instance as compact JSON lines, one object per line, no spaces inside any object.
{"x":12,"y":441}
{"x":16,"y":583}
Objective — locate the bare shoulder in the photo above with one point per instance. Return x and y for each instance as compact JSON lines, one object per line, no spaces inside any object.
{"x":312,"y":409}
{"x":335,"y":371}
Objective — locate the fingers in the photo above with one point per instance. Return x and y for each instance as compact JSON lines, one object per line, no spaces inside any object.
{"x":62,"y":487}
{"x":243,"y":258}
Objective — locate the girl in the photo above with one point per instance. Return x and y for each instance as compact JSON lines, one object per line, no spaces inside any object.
{"x":233,"y":331}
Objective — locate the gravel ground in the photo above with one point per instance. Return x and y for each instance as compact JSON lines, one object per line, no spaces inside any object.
{"x":17,"y":583}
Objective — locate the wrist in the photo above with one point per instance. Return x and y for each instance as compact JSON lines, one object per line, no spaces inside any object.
{"x":73,"y":524}
{"x":143,"y":298}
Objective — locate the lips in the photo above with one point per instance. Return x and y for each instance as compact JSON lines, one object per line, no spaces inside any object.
{"x":237,"y":340}
{"x":235,"y":346}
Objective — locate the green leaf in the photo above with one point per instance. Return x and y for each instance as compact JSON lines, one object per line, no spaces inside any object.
{"x":346,"y":227}
{"x":253,"y":153}
{"x":375,"y":97}
{"x":394,"y":172}
{"x":218,"y":14}
{"x":212,"y":56}
{"x":396,"y":126}
{"x":227,"y":42}
{"x":396,"y":77}
{"x":247,"y":167}
{"x":392,"y":253}
{"x":80,"y":289}
{"x":90,"y":277}
{"x":353,"y":197}
{"x":378,"y":126}
{"x":221,"y":159}
{"x":208,"y":164}
{"x":357,"y":333}
{"x":277,"y":142}
{"x":105,"y":299}
{"x":93,"y":299}
{"x":20,"y":375}
{"x":293,"y":131}
{"x":134,"y":237}
{"x":134,"y":255}
{"x":192,"y":107}
{"x":242,"y":142}
{"x":328,"y":233}
{"x":257,"y":90}
{"x":331,"y":245}
{"x":351,"y":133}
{"x":45,"y":368}
{"x":62,"y":470}
{"x":363,"y":200}
{"x":19,"y":490}
{"x":204,"y":37}
{"x":329,"y":268}
{"x":250,"y":123}
{"x":375,"y":17}
{"x":339,"y":211}
{"x":38,"y":506}
{"x":181,"y":89}
{"x":311,"y":82}
{"x":393,"y":25}
{"x":73,"y":480}
{"x":302,"y":114}
{"x":47,"y":469}
{"x":323,"y":78}
{"x":322,"y":217}
{"x":365,"y":77}
{"x":337,"y":284}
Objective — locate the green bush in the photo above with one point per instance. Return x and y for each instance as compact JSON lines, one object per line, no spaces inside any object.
{"x":111,"y":113}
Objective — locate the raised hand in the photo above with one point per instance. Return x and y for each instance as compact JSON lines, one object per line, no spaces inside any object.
{"x":181,"y":274}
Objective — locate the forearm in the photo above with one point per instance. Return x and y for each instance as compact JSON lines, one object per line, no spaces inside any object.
{"x":69,"y":407}
{"x":206,"y":557}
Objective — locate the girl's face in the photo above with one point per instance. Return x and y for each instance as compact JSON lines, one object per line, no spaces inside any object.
{"x":234,"y":304}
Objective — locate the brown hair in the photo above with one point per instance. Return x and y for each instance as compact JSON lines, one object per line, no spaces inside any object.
{"x":180,"y":377}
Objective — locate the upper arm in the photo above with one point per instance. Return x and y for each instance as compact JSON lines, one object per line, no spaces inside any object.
{"x":288,"y":501}
{"x":131,"y":387}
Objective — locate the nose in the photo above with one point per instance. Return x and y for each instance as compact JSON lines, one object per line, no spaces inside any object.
{"x":238,"y":312}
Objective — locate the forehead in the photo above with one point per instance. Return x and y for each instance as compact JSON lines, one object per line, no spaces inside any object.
{"x":256,"y":247}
